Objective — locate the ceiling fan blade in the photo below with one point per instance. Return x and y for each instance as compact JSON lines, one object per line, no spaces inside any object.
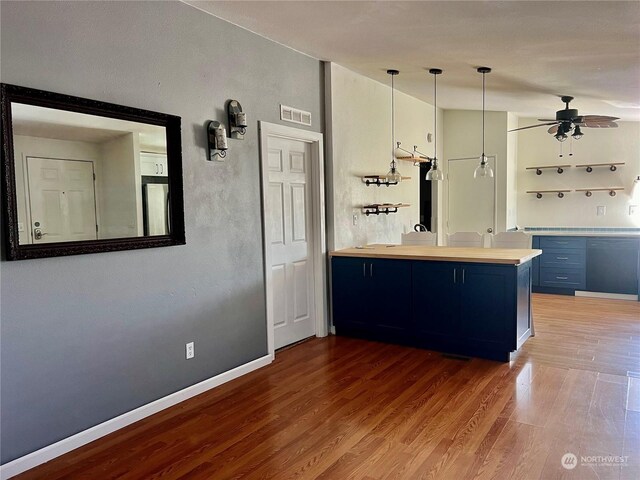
{"x":547,"y":120}
{"x":532,"y":126}
{"x":553,"y":130}
{"x":596,"y":118}
{"x":600,"y":125}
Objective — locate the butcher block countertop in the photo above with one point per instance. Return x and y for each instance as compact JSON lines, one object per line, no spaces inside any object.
{"x":504,"y":256}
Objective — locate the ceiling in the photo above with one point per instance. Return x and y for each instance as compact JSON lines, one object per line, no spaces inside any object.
{"x":538,"y":50}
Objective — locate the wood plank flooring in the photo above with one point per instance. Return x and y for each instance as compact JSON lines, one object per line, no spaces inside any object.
{"x":340,"y":408}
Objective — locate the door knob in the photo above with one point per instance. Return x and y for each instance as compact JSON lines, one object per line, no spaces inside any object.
{"x":37,"y":234}
{"x":489,"y":230}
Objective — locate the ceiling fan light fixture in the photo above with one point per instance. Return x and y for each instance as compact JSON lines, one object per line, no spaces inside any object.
{"x":577,"y":133}
{"x":483,"y":170}
{"x":560,"y":135}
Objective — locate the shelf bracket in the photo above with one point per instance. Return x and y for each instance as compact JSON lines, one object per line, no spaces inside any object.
{"x":376,"y":180}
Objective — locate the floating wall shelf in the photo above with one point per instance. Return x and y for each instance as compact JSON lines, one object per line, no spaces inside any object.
{"x":379,"y":180}
{"x":558,"y":168}
{"x":589,"y":191}
{"x":539,"y":193}
{"x":415,"y":160}
{"x":612,"y":166}
{"x":379,"y":208}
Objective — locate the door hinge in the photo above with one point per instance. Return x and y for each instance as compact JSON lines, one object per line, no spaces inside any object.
{"x":96,"y":228}
{"x":94,"y":177}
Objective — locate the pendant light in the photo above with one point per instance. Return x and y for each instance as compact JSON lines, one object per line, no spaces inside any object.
{"x":434,"y":174}
{"x":483,"y":169}
{"x":394,"y":175}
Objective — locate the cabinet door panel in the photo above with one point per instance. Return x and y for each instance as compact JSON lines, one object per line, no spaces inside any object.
{"x":485,"y":300}
{"x":612,"y":265}
{"x":389,"y":294}
{"x":350,"y":291}
{"x":435,"y":299}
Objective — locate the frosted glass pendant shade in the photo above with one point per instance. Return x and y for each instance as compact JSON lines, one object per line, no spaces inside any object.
{"x":483,"y":170}
{"x":434,"y":174}
{"x":394,"y":175}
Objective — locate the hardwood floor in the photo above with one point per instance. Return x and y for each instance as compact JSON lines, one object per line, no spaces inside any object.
{"x":340,"y":408}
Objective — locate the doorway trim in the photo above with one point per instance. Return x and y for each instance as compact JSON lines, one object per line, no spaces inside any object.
{"x":495,"y":191}
{"x":319,"y":247}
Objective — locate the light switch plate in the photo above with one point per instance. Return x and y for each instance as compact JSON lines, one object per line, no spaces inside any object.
{"x":355,"y":219}
{"x":601,"y":210}
{"x":21,"y":226}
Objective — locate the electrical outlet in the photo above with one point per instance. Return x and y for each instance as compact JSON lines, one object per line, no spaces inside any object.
{"x":634,"y":209}
{"x":355,"y":219}
{"x":601,"y":210}
{"x":190,"y":350}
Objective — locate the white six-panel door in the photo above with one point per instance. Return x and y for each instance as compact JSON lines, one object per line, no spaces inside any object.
{"x":288,"y":219}
{"x":61,"y":200}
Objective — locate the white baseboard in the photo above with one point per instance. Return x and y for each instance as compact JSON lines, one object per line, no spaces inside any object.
{"x":613,"y":296}
{"x":54,"y":450}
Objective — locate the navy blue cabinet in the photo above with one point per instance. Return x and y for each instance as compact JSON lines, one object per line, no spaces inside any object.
{"x":467,"y":309}
{"x":562,"y":266}
{"x":612,"y":265}
{"x":371,"y":295}
{"x":596,"y":264}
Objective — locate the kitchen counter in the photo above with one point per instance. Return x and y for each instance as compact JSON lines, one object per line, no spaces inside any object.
{"x":502,"y":256}
{"x":465,"y":301}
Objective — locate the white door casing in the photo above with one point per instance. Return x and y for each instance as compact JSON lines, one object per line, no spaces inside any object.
{"x":471,"y":202}
{"x":61,"y":199}
{"x":292,"y":171}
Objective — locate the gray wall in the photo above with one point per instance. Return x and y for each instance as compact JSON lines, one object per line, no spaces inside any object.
{"x":90,"y":337}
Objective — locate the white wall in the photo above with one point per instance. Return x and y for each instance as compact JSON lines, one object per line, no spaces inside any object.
{"x":49,"y":148}
{"x":537,"y":147}
{"x":512,"y":172}
{"x":359,"y":113}
{"x":102,"y":334}
{"x":463,"y":139}
{"x":121,"y":196}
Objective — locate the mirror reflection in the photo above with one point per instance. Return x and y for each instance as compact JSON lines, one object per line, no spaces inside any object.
{"x":87,"y":177}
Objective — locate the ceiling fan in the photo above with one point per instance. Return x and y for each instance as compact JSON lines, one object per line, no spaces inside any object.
{"x":568,"y":119}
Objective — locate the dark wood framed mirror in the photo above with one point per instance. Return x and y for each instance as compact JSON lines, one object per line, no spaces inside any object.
{"x":84,"y":176}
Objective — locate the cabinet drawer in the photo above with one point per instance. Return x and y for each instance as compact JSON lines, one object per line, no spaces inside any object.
{"x":564,"y":258}
{"x":563,"y":242}
{"x":614,"y":243}
{"x":563,"y":278}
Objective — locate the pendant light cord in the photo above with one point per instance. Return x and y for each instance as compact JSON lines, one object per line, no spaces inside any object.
{"x":483,"y":75}
{"x":435,"y":117}
{"x":393,"y":124}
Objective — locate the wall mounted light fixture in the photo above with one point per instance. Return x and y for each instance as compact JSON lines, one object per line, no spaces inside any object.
{"x":237,"y":120}
{"x":217,"y":140}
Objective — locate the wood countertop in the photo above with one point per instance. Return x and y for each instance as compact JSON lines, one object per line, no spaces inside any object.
{"x":504,"y":256}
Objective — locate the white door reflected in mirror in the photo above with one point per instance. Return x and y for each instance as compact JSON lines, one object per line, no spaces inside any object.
{"x":80,"y":177}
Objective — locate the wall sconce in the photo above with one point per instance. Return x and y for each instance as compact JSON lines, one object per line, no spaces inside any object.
{"x":237,"y":120}
{"x":217,"y":136}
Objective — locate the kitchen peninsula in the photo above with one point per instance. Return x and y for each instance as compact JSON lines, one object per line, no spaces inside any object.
{"x":463,"y":301}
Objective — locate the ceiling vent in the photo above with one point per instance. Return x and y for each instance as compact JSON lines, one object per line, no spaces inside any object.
{"x":295,"y":115}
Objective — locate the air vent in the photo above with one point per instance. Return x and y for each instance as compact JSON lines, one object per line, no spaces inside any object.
{"x":295,"y":115}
